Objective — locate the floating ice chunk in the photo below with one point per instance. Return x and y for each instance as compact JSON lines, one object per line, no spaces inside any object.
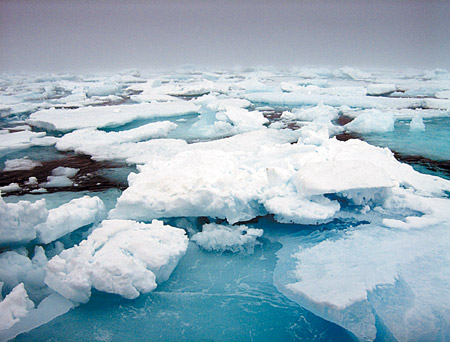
{"x":68,"y":172}
{"x":381,"y":89}
{"x":354,"y":73}
{"x":417,"y":124}
{"x":20,"y":164}
{"x":242,"y":119}
{"x":309,"y":114}
{"x":252,"y":85}
{"x":60,"y":177}
{"x":48,"y":309}
{"x":57,"y":182}
{"x":44,"y":141}
{"x":107,"y":116}
{"x":102,"y":89}
{"x":18,"y":140}
{"x":120,"y":256}
{"x":65,"y":219}
{"x":215,"y":237}
{"x":12,"y":187}
{"x":89,"y":139}
{"x":378,"y":277}
{"x":19,"y":219}
{"x":17,"y":268}
{"x":372,"y":121}
{"x":15,"y":306}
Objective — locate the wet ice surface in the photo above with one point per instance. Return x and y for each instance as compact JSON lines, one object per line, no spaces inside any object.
{"x":294,"y":234}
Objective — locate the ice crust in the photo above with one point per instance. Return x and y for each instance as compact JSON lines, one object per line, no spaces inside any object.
{"x":120,"y":256}
{"x":215,"y":237}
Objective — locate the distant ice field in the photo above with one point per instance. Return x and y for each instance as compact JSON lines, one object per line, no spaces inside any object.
{"x":247,"y":204}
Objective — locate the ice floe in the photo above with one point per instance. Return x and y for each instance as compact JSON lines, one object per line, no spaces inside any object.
{"x":108,"y":116}
{"x":120,"y":256}
{"x":70,"y":216}
{"x":216,"y":237}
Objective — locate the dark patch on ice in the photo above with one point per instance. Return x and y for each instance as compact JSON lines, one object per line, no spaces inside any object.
{"x":344,"y":119}
{"x":273,"y":115}
{"x":441,"y":166}
{"x":347,"y":136}
{"x":190,"y":96}
{"x":88,"y":178}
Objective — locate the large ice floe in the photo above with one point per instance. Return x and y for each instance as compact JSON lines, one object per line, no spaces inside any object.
{"x":224,"y":169}
{"x":120,"y":256}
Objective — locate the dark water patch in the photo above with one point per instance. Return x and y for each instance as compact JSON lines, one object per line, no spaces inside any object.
{"x":88,"y":178}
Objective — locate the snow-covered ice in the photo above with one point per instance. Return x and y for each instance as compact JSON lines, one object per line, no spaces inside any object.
{"x":68,"y":217}
{"x":120,"y":256}
{"x":108,"y":116}
{"x":215,"y":237}
{"x":228,"y":155}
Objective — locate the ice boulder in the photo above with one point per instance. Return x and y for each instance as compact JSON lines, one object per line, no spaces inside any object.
{"x":120,"y":256}
{"x":15,"y":306}
{"x":68,"y":217}
{"x":216,"y":237}
{"x":417,"y":124}
{"x":18,"y":220}
{"x":372,"y":121}
{"x":60,"y":177}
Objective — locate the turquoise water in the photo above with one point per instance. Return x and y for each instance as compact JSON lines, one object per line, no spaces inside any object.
{"x":209,"y":297}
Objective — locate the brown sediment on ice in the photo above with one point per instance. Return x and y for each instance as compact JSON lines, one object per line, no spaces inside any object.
{"x":442,"y":166}
{"x":344,"y":119}
{"x":347,"y":136}
{"x":88,"y":178}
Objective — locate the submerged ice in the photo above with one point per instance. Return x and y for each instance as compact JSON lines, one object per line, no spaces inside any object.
{"x":215,"y":155}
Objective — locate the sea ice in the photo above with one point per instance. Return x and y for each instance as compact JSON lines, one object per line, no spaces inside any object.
{"x":120,"y":256}
{"x":68,"y":217}
{"x":107,"y":116}
{"x":15,"y":306}
{"x":88,"y":139}
{"x":372,"y":121}
{"x":216,"y":237}
{"x":351,"y":289}
{"x":417,"y":124}
{"x":20,"y":164}
{"x":18,"y":220}
{"x":18,"y":140}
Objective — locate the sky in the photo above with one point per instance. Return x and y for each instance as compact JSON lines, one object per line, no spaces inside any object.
{"x":50,"y":35}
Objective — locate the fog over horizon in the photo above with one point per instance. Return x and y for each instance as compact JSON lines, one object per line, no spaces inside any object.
{"x":58,"y":36}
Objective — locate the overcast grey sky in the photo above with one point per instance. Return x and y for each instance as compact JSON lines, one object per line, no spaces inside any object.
{"x":48,"y":35}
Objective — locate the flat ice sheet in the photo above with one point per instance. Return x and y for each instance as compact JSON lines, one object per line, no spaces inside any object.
{"x":107,"y":116}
